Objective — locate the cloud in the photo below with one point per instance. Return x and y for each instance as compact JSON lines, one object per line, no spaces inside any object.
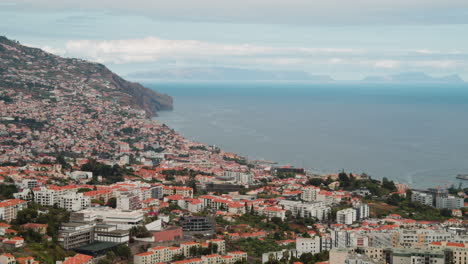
{"x":153,"y":49}
{"x":388,"y":64}
{"x":323,"y":12}
{"x":442,"y":64}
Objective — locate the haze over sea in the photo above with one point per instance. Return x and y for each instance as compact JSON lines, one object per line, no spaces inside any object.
{"x":411,"y":133}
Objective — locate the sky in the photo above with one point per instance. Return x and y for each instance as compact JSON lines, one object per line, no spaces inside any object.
{"x":345,"y":39}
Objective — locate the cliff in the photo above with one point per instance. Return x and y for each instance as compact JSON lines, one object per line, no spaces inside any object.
{"x":39,"y":73}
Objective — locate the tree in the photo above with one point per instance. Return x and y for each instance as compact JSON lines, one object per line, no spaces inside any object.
{"x":446,"y":212}
{"x":316,"y":182}
{"x":389,"y":185}
{"x":112,"y":202}
{"x":344,"y":179}
{"x":104,"y":261}
{"x":82,"y":190}
{"x":395,"y":199}
{"x":123,"y":251}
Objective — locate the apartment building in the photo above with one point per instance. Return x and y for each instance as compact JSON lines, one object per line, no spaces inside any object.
{"x":73,"y":235}
{"x":10,"y":208}
{"x":74,"y":202}
{"x":449,"y":202}
{"x":346,"y":216}
{"x":309,"y":193}
{"x":423,"y":198}
{"x":414,"y":256}
{"x":308,"y":245}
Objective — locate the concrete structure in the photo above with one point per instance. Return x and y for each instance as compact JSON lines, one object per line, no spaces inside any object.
{"x":72,"y":235}
{"x":308,"y":245}
{"x":312,"y":209}
{"x":74,"y":202}
{"x":449,"y":202}
{"x":346,"y":216}
{"x":423,"y":198}
{"x":124,"y":220}
{"x":414,"y":256}
{"x":10,"y":208}
{"x":128,"y":202}
{"x":171,"y":233}
{"x":309,"y":193}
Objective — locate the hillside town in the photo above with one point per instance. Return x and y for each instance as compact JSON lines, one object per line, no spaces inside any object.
{"x":87,"y":178}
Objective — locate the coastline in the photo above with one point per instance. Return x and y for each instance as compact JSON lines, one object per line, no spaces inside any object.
{"x":214,"y":117}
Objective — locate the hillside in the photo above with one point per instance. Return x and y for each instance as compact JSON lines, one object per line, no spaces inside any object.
{"x":41,"y":74}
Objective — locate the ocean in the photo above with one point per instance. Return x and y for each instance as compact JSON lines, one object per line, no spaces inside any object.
{"x":415,"y":134}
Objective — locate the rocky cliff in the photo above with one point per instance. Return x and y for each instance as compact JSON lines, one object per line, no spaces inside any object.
{"x":39,"y":73}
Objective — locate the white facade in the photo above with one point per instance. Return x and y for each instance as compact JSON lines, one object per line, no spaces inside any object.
{"x":308,"y":245}
{"x":124,"y":220}
{"x":346,"y":216}
{"x":423,"y":198}
{"x":309,"y":193}
{"x":362,"y":211}
{"x":81,"y":175}
{"x":449,"y":202}
{"x":74,"y":202}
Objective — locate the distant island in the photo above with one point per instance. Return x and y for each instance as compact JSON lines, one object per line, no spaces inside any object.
{"x":241,"y":74}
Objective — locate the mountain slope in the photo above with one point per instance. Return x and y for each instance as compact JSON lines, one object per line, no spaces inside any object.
{"x":38,"y":73}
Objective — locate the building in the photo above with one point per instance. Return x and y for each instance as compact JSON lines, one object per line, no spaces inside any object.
{"x":7,"y":258}
{"x":423,"y":198}
{"x":10,"y":208}
{"x":156,"y":192}
{"x":315,"y":210}
{"x":414,"y":256}
{"x":449,"y":202}
{"x":74,"y":202}
{"x":81,"y":175}
{"x":273,"y":211}
{"x":362,"y":211}
{"x":77,"y":259}
{"x":196,"y":223}
{"x":346,"y":216}
{"x":171,"y":233}
{"x":279,"y":255}
{"x":124,"y":220}
{"x":110,"y":233}
{"x":128,"y":202}
{"x":186,"y":192}
{"x":359,"y":259}
{"x":308,"y":245}
{"x":309,"y":193}
{"x":73,"y":235}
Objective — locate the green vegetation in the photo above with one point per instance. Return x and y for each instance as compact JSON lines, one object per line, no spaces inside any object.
{"x":396,"y":204}
{"x":256,"y":247}
{"x":7,"y":191}
{"x":284,"y":175}
{"x":140,"y":231}
{"x":240,"y":161}
{"x":52,"y":216}
{"x":110,"y":174}
{"x":112,"y":202}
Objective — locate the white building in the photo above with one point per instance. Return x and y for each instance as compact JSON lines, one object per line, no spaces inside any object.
{"x":450,"y":202}
{"x":423,"y":198}
{"x":309,"y":193}
{"x":128,"y":202}
{"x":362,"y":211}
{"x":313,"y":209}
{"x":81,"y":175}
{"x":308,"y":245}
{"x":124,"y":220}
{"x":74,"y":202}
{"x":346,"y":216}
